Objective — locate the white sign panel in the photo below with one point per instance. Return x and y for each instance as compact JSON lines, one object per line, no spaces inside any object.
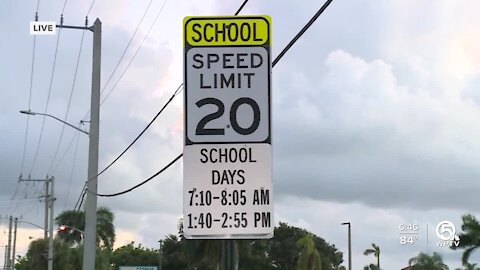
{"x":232,"y":104}
{"x":43,"y":28}
{"x":227,"y":154}
{"x":231,"y":191}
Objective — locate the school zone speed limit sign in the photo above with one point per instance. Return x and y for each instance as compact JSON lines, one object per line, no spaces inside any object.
{"x":227,"y":150}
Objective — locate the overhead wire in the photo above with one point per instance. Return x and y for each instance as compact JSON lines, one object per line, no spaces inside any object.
{"x":32,"y":68}
{"x":60,"y":161}
{"x":276,"y":60}
{"x":126,"y":48}
{"x":72,"y":171}
{"x":124,"y":53}
{"x":69,"y":102}
{"x":48,"y":99}
{"x":90,"y":9}
{"x":135,"y":54}
{"x":141,"y":133}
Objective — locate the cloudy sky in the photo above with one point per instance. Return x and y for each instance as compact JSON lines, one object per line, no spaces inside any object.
{"x":376,"y":117}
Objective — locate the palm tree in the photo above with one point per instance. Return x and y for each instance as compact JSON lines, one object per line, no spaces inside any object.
{"x":470,"y":237}
{"x":76,"y":219}
{"x":426,"y":262}
{"x":375,"y":250}
{"x":309,"y":258}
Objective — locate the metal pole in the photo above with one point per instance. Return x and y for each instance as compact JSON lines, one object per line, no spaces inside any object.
{"x":229,"y":258}
{"x":47,"y":190}
{"x":349,"y":247}
{"x":5,"y":258}
{"x":51,"y":199}
{"x":160,"y":255}
{"x":14,"y":242}
{"x":9,"y":248}
{"x":89,"y":247}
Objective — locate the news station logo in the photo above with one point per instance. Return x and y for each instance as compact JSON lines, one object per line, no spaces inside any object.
{"x":446,"y":233}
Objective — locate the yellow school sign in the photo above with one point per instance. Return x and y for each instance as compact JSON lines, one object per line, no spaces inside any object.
{"x":227,"y":31}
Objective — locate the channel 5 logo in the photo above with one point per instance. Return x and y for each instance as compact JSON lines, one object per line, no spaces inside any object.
{"x":445,"y":231}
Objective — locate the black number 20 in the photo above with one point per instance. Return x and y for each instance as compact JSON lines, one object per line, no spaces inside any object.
{"x":201,"y":130}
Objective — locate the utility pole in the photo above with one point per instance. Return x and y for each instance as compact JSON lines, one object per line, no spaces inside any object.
{"x":47,"y":190}
{"x":160,"y":255}
{"x":47,"y":203}
{"x":51,"y":199}
{"x":9,"y":246}
{"x":14,"y":242}
{"x":90,"y":244}
{"x":349,"y":244}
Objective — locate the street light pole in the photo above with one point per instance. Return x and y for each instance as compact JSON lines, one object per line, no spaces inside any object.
{"x":90,"y":244}
{"x":349,"y":245}
{"x":54,"y":117}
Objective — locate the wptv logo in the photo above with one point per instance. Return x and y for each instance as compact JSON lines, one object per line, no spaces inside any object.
{"x":446,"y":233}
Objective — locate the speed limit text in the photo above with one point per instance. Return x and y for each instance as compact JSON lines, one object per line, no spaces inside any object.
{"x":225,"y":62}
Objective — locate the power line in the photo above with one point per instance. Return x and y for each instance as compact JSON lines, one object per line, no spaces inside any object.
{"x":48,"y":99}
{"x":241,"y":7}
{"x":290,"y":44}
{"x":64,"y":5}
{"x":82,"y":195}
{"x":69,"y":101}
{"x":135,"y":54}
{"x":29,"y":103}
{"x":304,"y":29}
{"x":75,"y":135}
{"x":143,"y":131}
{"x":71,"y":171}
{"x":90,"y":9}
{"x":126,"y":48}
{"x":124,"y":52}
{"x":161,"y":110}
{"x":144,"y":182}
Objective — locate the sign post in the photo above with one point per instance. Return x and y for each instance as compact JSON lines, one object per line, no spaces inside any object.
{"x":227,"y":185}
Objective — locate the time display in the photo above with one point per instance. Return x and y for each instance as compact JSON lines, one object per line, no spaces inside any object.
{"x":226,"y":220}
{"x":205,"y":198}
{"x":408,"y":227}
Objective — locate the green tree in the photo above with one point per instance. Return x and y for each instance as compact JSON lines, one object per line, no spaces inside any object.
{"x":174,"y":255}
{"x":131,"y":255}
{"x":309,"y":258}
{"x":65,"y":257}
{"x":76,"y":219}
{"x":469,"y":266}
{"x":427,"y":262}
{"x":470,"y":237}
{"x":375,"y":250}
{"x":371,"y":267}
{"x":283,"y":251}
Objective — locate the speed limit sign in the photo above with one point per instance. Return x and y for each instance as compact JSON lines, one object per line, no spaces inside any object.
{"x":227,"y":150}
